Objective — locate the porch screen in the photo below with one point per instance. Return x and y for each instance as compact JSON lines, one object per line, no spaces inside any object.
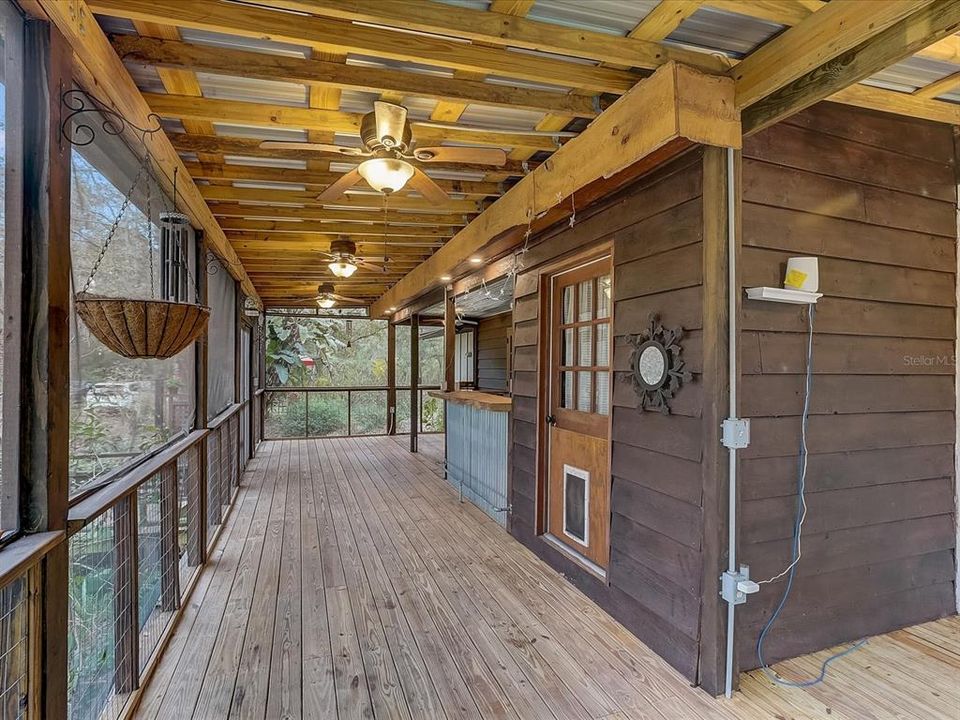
{"x":120,"y":409}
{"x":221,"y":362}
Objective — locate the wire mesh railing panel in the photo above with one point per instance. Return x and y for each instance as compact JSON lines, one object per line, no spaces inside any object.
{"x":213,"y":482}
{"x":189,"y":543}
{"x":328,"y":413}
{"x":368,"y":412}
{"x":14,"y":648}
{"x":156,"y":560}
{"x":101,"y":593}
{"x":285,"y":414}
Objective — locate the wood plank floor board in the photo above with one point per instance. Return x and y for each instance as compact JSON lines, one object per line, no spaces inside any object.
{"x":216,"y":693}
{"x":350,"y":582}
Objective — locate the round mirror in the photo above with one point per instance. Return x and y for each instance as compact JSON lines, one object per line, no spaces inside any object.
{"x":651,"y":365}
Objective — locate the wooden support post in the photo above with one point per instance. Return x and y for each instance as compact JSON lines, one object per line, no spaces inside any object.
{"x":126,"y":596}
{"x":391,"y":378}
{"x":449,"y":341}
{"x":414,"y":380}
{"x":169,"y":550}
{"x":202,"y":416}
{"x":42,"y":310}
{"x":716,"y":386}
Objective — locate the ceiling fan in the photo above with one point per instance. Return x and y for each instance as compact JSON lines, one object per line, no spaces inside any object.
{"x":388,"y":143}
{"x":344,"y":260}
{"x":327,"y":297}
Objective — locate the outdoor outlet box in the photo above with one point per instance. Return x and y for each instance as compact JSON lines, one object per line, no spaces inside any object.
{"x":735,"y":433}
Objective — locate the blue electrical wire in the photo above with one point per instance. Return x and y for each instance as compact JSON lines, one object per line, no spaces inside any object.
{"x":797,"y":528}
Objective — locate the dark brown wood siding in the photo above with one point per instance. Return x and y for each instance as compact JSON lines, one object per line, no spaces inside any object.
{"x":492,"y":343}
{"x":874,"y":196}
{"x":654,"y":576}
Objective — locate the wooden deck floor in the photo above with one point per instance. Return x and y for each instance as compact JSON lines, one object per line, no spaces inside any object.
{"x":350,"y":583}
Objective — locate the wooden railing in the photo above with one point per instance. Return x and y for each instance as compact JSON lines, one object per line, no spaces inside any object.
{"x":291,"y":412}
{"x":136,"y":547}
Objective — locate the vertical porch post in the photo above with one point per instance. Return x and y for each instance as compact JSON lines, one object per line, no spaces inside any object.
{"x":414,"y":380}
{"x":391,"y":378}
{"x":449,"y":340}
{"x":43,"y":310}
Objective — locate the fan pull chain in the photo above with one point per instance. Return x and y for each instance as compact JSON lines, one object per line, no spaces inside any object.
{"x":115,"y":226}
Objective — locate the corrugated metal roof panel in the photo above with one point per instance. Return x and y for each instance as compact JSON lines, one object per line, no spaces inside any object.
{"x":238,"y":42}
{"x":913,"y":73}
{"x":232,"y":87}
{"x":615,"y":17}
{"x":259,"y":133}
{"x":724,"y":32}
{"x":264,"y":162}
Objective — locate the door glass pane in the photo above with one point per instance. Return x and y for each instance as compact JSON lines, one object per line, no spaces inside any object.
{"x":575,"y":505}
{"x":584,"y":391}
{"x":585,"y":308}
{"x":566,"y":348}
{"x":585,"y":342}
{"x":603,"y":393}
{"x":567,"y":312}
{"x":603,"y":297}
{"x":566,"y":390}
{"x":603,"y":345}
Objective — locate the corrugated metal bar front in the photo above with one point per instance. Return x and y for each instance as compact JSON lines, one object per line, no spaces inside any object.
{"x":477,"y":457}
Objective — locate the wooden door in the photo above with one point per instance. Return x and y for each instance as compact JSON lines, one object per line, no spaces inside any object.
{"x":578,"y":482}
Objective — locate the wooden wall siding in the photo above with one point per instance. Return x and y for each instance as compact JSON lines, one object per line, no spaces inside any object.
{"x":874,"y":196}
{"x":492,"y":352}
{"x":655,"y":567}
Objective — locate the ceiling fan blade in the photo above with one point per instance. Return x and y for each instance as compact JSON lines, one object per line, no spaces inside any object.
{"x":318,"y":147}
{"x":343,"y":298}
{"x":466,"y":155}
{"x":427,"y":187}
{"x":369,"y":266}
{"x":391,"y":122}
{"x":373,"y":259}
{"x":347,"y":180}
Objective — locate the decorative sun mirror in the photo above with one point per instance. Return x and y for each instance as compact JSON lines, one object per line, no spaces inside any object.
{"x":657,"y":370}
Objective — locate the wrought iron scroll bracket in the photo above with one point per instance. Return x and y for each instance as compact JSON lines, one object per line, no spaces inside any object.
{"x":78,"y":130}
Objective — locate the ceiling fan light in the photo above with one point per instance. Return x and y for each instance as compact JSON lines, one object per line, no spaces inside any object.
{"x":386,"y":175}
{"x":326,"y":302}
{"x":342,"y":268}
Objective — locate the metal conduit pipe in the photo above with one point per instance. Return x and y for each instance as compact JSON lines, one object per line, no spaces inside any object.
{"x":732,"y":293}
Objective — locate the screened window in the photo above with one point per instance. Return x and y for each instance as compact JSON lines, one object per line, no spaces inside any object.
{"x":120,"y":409}
{"x":222,"y":359}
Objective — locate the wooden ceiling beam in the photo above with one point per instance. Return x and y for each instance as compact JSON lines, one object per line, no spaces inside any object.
{"x":505,"y":30}
{"x":365,"y":202}
{"x":926,"y":23}
{"x":342,"y":36}
{"x":333,"y":228}
{"x":102,"y":73}
{"x":872,"y":98}
{"x":823,"y":36}
{"x":254,"y":240}
{"x":319,"y":213}
{"x":664,"y":19}
{"x":662,"y":116}
{"x":165,"y":54}
{"x":250,"y":147}
{"x":236,"y":112}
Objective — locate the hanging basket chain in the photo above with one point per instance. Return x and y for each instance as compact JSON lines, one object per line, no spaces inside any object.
{"x":116,"y":224}
{"x":153,"y":287}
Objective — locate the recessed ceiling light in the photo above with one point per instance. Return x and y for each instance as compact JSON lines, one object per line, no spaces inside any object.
{"x":476,"y":260}
{"x":393,"y":309}
{"x":445,"y":278}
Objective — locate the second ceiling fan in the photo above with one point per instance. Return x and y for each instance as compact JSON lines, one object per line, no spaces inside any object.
{"x":390,"y":148}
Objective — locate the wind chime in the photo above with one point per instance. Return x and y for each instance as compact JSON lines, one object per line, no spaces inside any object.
{"x":155,"y":327}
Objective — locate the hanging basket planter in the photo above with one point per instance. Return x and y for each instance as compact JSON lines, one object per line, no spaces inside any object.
{"x":142,"y":328}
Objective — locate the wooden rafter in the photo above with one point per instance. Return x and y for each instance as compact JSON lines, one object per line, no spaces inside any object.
{"x":343,"y":36}
{"x":374,"y":230}
{"x":367,"y":202}
{"x":103,"y":73}
{"x":267,"y":115}
{"x":312,"y":72}
{"x":504,"y":29}
{"x":661,"y":116}
{"x":810,"y":44}
{"x":664,"y":19}
{"x":926,"y":23}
